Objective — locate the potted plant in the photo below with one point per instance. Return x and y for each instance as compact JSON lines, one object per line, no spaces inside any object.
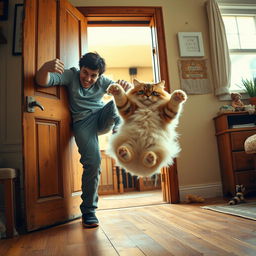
{"x":250,"y":88}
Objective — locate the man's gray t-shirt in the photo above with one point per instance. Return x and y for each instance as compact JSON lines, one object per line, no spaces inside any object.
{"x":82,"y":101}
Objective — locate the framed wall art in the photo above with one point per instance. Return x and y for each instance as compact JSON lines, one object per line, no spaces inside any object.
{"x":3,"y":9}
{"x":191,"y":44}
{"x":17,"y":30}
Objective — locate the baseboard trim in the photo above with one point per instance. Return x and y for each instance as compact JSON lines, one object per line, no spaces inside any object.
{"x":205,"y":190}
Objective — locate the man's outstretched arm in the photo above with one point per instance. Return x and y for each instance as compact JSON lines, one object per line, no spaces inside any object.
{"x":52,"y":66}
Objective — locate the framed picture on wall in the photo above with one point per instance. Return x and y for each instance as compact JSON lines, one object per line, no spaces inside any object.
{"x":191,"y":44}
{"x":3,"y":9}
{"x":17,"y":30}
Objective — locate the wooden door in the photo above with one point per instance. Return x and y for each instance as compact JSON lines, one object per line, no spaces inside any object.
{"x":52,"y":29}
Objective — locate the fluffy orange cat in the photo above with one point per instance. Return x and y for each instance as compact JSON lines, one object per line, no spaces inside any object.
{"x":146,"y":140}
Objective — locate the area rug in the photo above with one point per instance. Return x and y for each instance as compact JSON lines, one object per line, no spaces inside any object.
{"x":245,"y":210}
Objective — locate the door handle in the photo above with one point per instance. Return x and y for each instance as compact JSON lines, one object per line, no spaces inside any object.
{"x":31,"y":103}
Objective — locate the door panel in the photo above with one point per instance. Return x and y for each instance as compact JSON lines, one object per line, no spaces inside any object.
{"x":51,"y":160}
{"x":49,"y":182}
{"x":73,"y":45}
{"x":72,"y":34}
{"x":46,"y":16}
{"x":77,"y":169}
{"x":46,"y":35}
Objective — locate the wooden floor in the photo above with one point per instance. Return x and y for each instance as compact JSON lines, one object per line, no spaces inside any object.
{"x":130,"y":199}
{"x":157,"y":230}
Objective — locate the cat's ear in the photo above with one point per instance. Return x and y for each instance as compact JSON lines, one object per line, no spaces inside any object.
{"x":135,"y":82}
{"x":161,"y":84}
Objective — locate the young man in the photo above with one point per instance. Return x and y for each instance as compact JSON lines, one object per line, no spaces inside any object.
{"x":91,"y":117}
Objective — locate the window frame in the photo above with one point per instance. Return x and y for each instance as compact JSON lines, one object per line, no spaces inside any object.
{"x":236,"y":9}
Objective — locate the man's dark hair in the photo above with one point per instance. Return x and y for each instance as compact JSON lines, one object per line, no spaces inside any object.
{"x":93,"y":61}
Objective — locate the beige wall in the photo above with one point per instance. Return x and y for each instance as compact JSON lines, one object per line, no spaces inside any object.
{"x":198,"y":161}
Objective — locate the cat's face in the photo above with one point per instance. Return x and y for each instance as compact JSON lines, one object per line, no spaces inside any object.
{"x":148,"y":93}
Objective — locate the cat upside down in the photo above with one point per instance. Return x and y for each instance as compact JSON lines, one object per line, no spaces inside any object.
{"x":146,"y":140}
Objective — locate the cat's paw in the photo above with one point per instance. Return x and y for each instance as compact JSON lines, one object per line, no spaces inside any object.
{"x":179,"y":96}
{"x":124,"y":154}
{"x":115,"y":89}
{"x":149,"y":159}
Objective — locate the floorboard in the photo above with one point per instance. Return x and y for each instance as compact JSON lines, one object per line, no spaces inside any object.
{"x":154,"y":230}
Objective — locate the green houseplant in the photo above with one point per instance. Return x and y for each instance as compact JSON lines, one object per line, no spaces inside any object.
{"x":249,"y":86}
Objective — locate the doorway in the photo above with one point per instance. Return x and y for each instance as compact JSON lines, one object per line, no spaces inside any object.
{"x":151,"y":17}
{"x":128,"y":52}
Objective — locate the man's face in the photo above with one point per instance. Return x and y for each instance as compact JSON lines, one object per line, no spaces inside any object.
{"x":88,"y":77}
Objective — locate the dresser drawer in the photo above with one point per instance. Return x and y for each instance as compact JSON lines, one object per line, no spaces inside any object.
{"x":238,"y":139}
{"x":247,"y":178}
{"x":242,"y":161}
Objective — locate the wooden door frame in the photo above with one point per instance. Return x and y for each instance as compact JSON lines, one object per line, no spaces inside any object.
{"x":169,"y":175}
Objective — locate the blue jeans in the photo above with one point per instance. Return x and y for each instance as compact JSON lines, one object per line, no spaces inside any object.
{"x":86,"y":135}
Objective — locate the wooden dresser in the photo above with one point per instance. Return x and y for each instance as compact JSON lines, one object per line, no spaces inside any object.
{"x":237,"y":167}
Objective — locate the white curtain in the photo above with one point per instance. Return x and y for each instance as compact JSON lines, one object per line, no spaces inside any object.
{"x":221,"y":64}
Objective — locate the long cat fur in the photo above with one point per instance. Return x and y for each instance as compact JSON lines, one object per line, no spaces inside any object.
{"x":149,"y":121}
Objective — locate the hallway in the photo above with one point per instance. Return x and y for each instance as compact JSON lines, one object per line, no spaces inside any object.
{"x":130,"y":199}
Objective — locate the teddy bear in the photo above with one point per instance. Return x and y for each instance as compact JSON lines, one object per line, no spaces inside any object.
{"x":237,"y":104}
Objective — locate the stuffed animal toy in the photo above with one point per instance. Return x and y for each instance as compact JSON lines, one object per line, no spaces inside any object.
{"x":194,"y":199}
{"x":237,"y":104}
{"x":239,"y":197}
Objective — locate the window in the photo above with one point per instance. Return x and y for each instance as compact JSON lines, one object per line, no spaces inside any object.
{"x":240,"y":25}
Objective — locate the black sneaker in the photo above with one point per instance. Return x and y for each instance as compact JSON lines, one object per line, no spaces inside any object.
{"x":89,"y":220}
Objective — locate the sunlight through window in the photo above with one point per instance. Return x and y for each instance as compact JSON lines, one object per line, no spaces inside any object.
{"x":241,"y":37}
{"x":127,"y":51}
